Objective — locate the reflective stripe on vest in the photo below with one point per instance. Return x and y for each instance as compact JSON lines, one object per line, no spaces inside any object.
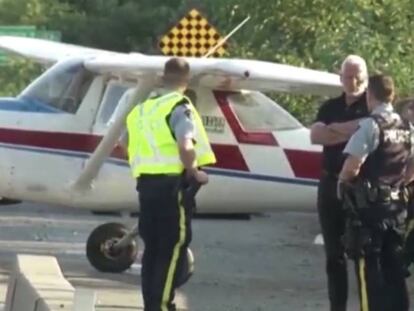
{"x":152,"y":148}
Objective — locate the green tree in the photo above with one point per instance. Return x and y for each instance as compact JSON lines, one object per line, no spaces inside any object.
{"x":16,"y":75}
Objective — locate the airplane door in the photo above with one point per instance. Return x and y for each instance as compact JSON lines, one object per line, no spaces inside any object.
{"x":114,"y":185}
{"x":113,"y":92}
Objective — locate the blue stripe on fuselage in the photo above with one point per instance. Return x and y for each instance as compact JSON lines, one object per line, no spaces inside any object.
{"x":26,"y":105}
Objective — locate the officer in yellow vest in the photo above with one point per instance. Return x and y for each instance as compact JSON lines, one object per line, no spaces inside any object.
{"x":167,"y":144}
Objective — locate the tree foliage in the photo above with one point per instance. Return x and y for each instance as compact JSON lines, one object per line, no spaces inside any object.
{"x":17,"y":74}
{"x":317,"y":34}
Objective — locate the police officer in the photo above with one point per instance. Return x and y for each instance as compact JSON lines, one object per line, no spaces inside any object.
{"x":376,"y":166}
{"x":336,"y":121}
{"x":167,"y":144}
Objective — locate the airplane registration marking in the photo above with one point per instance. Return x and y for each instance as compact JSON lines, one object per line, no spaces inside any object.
{"x":214,"y":124}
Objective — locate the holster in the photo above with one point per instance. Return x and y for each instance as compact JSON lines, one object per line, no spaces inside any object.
{"x":189,"y":188}
{"x":369,"y":209}
{"x":357,"y":239}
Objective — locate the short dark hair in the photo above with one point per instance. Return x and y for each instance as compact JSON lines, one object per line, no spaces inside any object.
{"x":382,"y":87}
{"x":176,"y":70}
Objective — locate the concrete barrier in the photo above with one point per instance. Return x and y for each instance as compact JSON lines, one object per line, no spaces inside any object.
{"x":84,"y":300}
{"x":37,"y":284}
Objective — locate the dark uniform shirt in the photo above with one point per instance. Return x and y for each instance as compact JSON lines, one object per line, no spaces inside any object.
{"x":336,"y":110}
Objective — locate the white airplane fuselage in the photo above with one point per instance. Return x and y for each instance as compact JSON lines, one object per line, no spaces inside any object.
{"x":265,"y":158}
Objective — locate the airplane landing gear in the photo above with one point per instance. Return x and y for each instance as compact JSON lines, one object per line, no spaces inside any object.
{"x":111,"y":247}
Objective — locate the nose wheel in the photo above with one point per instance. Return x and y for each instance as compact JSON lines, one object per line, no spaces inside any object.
{"x":111,"y":247}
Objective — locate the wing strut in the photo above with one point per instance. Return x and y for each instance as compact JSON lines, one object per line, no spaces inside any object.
{"x":108,"y":142}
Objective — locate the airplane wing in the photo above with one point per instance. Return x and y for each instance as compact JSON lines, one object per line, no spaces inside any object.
{"x":227,"y":74}
{"x":223,"y":74}
{"x":45,"y":51}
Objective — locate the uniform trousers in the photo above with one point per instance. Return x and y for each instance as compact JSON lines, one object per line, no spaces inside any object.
{"x":381,"y":272}
{"x":165,"y":228}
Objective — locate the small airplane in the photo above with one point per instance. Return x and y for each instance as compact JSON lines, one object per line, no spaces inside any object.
{"x":59,"y":137}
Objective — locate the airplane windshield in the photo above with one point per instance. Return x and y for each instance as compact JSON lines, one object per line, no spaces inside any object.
{"x":62,"y":87}
{"x":258,"y":112}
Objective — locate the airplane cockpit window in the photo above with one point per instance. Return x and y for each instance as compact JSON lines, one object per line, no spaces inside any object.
{"x":110,"y":100}
{"x":258,"y":112}
{"x":61,"y":88}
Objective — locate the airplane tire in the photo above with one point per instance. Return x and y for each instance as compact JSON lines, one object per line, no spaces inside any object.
{"x":107,"y":261}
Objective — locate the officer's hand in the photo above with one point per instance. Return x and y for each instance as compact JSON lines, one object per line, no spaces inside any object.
{"x":201,"y":177}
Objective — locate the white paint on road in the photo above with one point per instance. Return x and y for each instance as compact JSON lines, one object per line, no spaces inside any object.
{"x":318,"y":239}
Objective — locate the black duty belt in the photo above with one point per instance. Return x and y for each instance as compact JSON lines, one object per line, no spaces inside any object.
{"x":393,"y":194}
{"x":328,"y":174}
{"x":155,"y":176}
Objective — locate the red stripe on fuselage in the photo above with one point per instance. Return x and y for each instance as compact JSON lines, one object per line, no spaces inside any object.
{"x":55,"y":140}
{"x":255,"y":138}
{"x":305,"y":164}
{"x":228,"y":156}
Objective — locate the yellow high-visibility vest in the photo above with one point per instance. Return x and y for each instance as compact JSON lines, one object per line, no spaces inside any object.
{"x":152,"y":148}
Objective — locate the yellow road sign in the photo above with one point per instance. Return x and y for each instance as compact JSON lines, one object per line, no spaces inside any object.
{"x":192,"y":36}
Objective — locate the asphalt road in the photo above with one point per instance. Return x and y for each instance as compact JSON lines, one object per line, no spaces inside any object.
{"x":266,"y":263}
